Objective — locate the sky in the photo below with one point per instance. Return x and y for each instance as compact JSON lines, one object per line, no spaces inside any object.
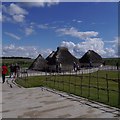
{"x":32,"y":28}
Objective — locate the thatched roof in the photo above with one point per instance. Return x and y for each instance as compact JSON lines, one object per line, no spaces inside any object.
{"x":50,"y":58}
{"x":63,"y":56}
{"x":39,"y":63}
{"x":91,"y":56}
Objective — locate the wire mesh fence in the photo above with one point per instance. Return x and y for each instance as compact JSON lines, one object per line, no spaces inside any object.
{"x":102,"y":86}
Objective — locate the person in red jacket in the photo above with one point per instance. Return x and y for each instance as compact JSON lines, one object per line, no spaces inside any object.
{"x":4,"y":72}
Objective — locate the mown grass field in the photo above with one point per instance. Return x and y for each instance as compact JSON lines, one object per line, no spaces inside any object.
{"x":94,"y":86}
{"x":111,"y":61}
{"x":22,"y":62}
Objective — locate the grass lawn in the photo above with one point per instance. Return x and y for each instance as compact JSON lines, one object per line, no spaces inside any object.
{"x":22,"y":62}
{"x":93,"y":86}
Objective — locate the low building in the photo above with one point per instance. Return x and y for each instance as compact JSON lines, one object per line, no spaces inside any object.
{"x":61,"y":57}
{"x":90,"y":59}
{"x":39,"y":64}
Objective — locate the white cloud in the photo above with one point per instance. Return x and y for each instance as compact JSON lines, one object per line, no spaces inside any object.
{"x":45,"y":52}
{"x":13,"y":35}
{"x":8,"y":48}
{"x":96,"y":44}
{"x":6,"y":18}
{"x":75,"y":33}
{"x":19,"y":51}
{"x":35,"y":4}
{"x":29,"y":31}
{"x":79,"y":21}
{"x":45,"y":26}
{"x":14,"y":9}
{"x":14,"y":12}
{"x":91,"y":42}
{"x":24,"y":51}
{"x":61,"y":0}
{"x":69,"y":45}
{"x":41,"y":3}
{"x":75,"y":20}
{"x":19,"y":18}
{"x":4,"y":8}
{"x":1,"y":17}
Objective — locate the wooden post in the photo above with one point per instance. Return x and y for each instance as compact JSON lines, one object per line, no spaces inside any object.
{"x":81,"y":82}
{"x":69,"y":81}
{"x":89,"y":84}
{"x":54,"y":80}
{"x":97,"y":86}
{"x":46,"y":78}
{"x":107,"y":88}
{"x":75,"y":83}
{"x":58,"y":80}
{"x":63,"y":80}
{"x":118,"y":88}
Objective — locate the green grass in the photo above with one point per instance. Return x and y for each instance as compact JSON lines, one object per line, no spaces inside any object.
{"x":21,"y":62}
{"x":79,"y":85}
{"x":31,"y":81}
{"x":111,"y":61}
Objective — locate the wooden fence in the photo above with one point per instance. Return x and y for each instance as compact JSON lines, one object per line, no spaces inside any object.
{"x":93,"y":86}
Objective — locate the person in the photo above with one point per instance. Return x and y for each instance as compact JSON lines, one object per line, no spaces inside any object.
{"x":74,"y":66}
{"x":4,"y":72}
{"x":117,"y":65}
{"x":16,"y":70}
{"x":90,"y":64}
{"x":103,"y":63}
{"x":11,"y":70}
{"x":60,"y":67}
{"x":78,"y":67}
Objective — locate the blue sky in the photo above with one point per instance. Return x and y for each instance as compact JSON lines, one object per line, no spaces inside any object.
{"x":32,"y":28}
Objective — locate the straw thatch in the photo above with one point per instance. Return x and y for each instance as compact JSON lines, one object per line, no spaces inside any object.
{"x":39,"y":64}
{"x":91,"y":58}
{"x":63,"y":56}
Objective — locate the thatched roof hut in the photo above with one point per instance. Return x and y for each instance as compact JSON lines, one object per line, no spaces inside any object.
{"x":63,"y":56}
{"x":39,"y":64}
{"x":91,"y":58}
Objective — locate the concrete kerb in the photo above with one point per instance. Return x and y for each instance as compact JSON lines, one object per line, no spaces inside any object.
{"x":85,"y":101}
{"x":12,"y":81}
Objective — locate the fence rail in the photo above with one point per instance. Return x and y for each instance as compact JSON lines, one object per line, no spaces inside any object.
{"x":92,"y":85}
{"x":99,"y":84}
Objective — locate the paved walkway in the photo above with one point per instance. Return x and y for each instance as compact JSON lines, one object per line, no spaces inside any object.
{"x":82,"y":71}
{"x":46,"y":103}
